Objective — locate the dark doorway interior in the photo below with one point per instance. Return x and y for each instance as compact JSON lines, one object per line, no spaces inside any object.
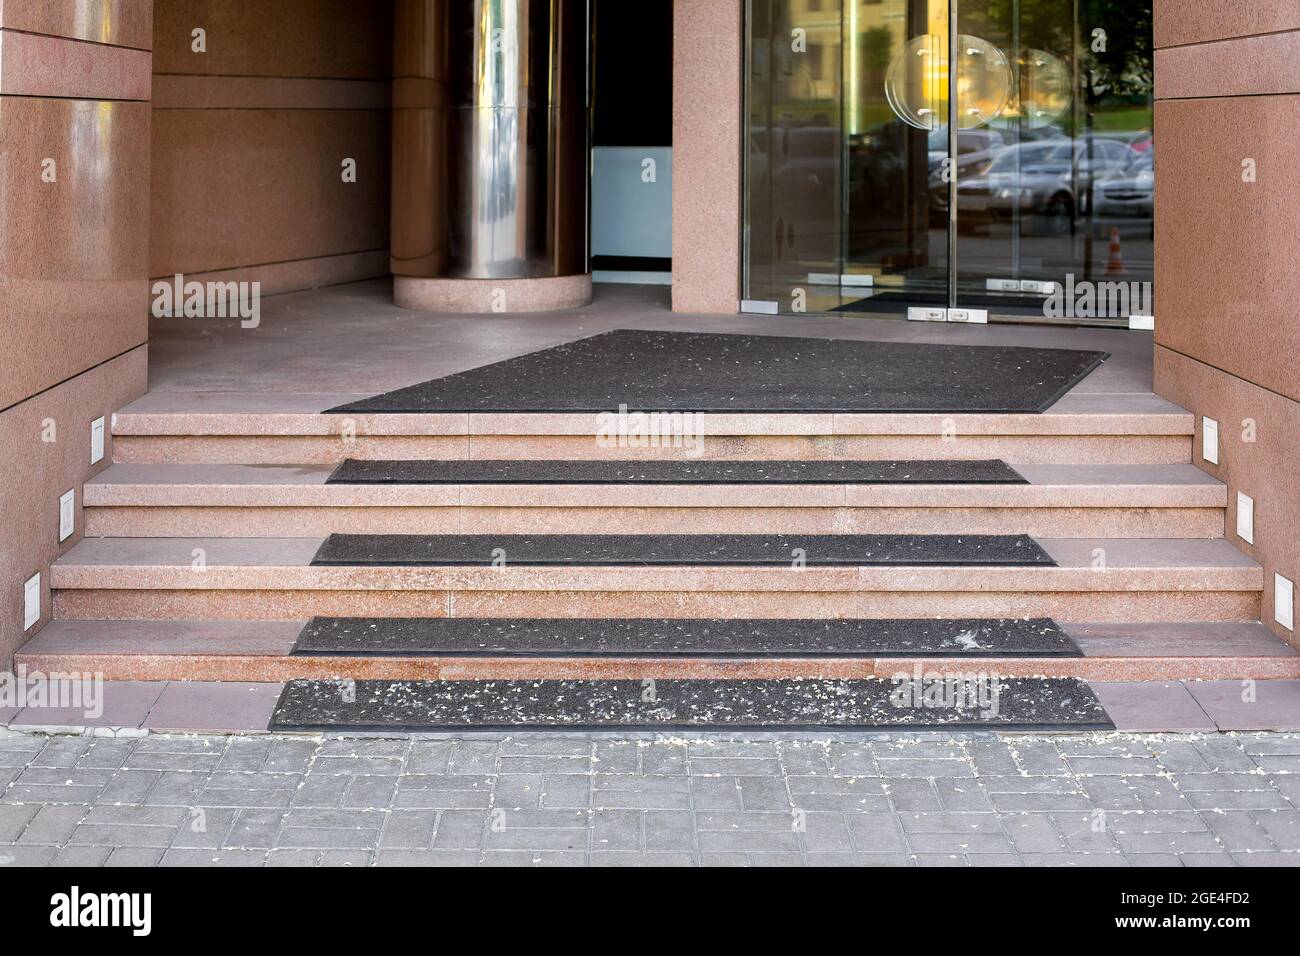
{"x":632,"y":120}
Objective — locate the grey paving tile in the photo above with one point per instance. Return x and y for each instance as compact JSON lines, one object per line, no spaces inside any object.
{"x":1264,"y":705}
{"x":54,"y":824}
{"x":1034,"y":833}
{"x":1152,"y":706}
{"x":599,"y":858}
{"x":371,"y":791}
{"x":1237,"y":800}
{"x":1038,"y":757}
{"x":519,"y":791}
{"x":1225,"y":754}
{"x":664,"y":759}
{"x":225,"y":707}
{"x":563,"y":790}
{"x":461,"y":829}
{"x":409,"y":829}
{"x":422,"y":858}
{"x":668,"y":831}
{"x":805,"y":757}
{"x":14,"y":819}
{"x":1076,"y":859}
{"x":876,"y":833}
{"x":204,"y":827}
{"x":472,"y":756}
{"x":429,"y":756}
{"x":255,"y":829}
{"x":962,"y":795}
{"x":1237,"y":830}
{"x":346,"y":858}
{"x":80,"y":856}
{"x":134,"y":856}
{"x":714,"y":793}
{"x":614,"y":830}
{"x":326,"y":838}
{"x":734,"y":766}
{"x":546,"y":858}
{"x":1085,"y":832}
{"x":110,"y":834}
{"x":395,"y":748}
{"x":220,"y":858}
{"x":859,"y":859}
{"x":62,"y":752}
{"x":110,"y":704}
{"x":1282,"y":826}
{"x":913,"y":795}
{"x":1267,"y":859}
{"x":824,"y":832}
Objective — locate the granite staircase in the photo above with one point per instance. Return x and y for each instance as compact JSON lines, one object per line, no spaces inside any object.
{"x":199,"y":541}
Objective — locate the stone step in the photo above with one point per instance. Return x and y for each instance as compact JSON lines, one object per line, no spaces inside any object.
{"x":260,"y":651}
{"x":221,"y":428}
{"x":161,"y":500}
{"x":1102,"y":579}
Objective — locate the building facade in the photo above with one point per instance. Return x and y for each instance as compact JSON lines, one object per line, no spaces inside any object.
{"x":788,"y":156}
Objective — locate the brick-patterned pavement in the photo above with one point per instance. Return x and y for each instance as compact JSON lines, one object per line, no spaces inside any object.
{"x":917,"y":799}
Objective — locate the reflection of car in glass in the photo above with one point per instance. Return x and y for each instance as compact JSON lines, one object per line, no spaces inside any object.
{"x":1132,"y":193}
{"x":969,"y":141}
{"x":1139,"y":141}
{"x":971,"y":164}
{"x":1048,"y":180}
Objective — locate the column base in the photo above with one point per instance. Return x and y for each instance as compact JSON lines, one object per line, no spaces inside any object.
{"x":486,"y":296}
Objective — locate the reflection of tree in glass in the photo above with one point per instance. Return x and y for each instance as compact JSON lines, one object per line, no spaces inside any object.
{"x":1124,"y":67}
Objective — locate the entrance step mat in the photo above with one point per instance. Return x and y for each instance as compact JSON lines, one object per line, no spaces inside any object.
{"x":653,"y":637}
{"x":639,"y":550}
{"x":713,"y":372}
{"x":913,"y":702}
{"x":486,"y":472}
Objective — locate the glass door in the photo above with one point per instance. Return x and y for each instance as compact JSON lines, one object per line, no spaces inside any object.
{"x":879,"y":181}
{"x":1062,"y":199}
{"x":843,"y":128}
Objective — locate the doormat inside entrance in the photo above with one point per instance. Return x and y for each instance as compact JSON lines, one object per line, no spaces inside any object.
{"x":674,"y":472}
{"x":713,"y":372}
{"x":657,"y":637}
{"x":900,"y":301}
{"x":967,"y":702}
{"x":636,"y":550}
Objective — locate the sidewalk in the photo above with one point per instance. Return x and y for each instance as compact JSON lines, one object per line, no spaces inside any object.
{"x":927,"y":799}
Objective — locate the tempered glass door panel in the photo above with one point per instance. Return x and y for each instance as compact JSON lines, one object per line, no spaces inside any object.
{"x":895,"y":125}
{"x":1033,"y":217}
{"x":793,"y":150}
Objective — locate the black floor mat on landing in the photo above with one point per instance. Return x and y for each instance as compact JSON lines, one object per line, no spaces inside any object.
{"x":757,"y":550}
{"x":676,"y":472}
{"x":913,"y":703}
{"x":656,"y":637}
{"x":713,"y":372}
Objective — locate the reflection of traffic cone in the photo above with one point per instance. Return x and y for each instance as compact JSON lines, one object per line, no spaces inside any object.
{"x":1115,"y":265}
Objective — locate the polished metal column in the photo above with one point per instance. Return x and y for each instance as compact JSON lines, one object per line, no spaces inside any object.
{"x":490,"y":156}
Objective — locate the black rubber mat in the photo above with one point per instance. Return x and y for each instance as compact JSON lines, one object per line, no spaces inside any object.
{"x":913,"y":702}
{"x":825,"y":550}
{"x":712,"y":372}
{"x":354,"y":472}
{"x":900,"y":301}
{"x":652,"y":637}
